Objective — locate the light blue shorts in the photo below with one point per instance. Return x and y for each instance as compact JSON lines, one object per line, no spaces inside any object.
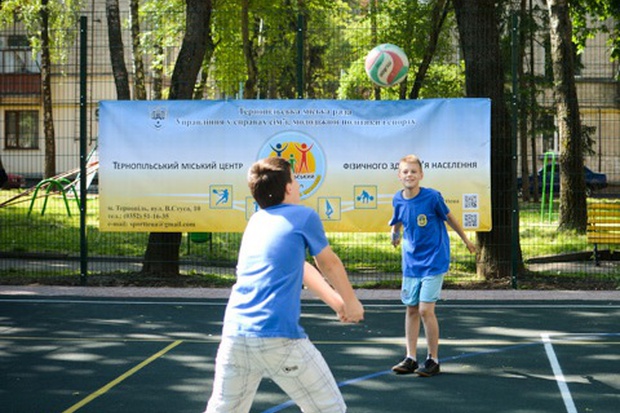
{"x":425,"y":289}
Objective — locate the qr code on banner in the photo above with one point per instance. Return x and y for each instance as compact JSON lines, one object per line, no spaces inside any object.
{"x":470,"y":201}
{"x":470,"y":220}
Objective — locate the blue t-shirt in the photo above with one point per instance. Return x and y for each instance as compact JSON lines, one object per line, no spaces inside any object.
{"x":266,"y":298}
{"x":425,"y":243}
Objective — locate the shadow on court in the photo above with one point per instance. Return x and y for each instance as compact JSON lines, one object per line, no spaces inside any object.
{"x":156,"y":355}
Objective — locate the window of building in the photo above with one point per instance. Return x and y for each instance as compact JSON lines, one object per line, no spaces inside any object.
{"x":21,"y":129}
{"x":16,"y":55}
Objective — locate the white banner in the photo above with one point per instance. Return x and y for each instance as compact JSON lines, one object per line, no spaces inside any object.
{"x":181,"y":166}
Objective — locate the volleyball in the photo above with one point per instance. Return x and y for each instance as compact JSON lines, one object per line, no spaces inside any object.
{"x":386,"y":65}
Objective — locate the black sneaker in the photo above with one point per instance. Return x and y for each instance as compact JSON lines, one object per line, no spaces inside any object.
{"x":430,"y":368}
{"x":407,"y":366}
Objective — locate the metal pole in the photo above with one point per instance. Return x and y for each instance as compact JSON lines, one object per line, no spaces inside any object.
{"x":83,"y":151}
{"x":514,"y":250}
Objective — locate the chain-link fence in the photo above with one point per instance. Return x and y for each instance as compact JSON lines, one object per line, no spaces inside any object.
{"x":44,"y":232}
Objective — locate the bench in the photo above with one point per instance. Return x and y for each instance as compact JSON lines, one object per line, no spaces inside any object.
{"x":603,"y":225}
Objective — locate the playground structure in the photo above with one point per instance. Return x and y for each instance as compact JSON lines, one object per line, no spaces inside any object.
{"x":61,"y":184}
{"x":549,"y":198}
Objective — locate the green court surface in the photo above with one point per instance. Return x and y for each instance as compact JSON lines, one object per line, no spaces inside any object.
{"x":72,"y":354}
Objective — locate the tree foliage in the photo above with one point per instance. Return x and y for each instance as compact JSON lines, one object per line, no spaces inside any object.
{"x":63,"y":19}
{"x":161,"y":28}
{"x":50,"y":29}
{"x":287,"y":49}
{"x":590,"y":17}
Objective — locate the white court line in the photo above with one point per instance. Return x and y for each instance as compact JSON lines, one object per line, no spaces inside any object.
{"x":216,"y":302}
{"x":559,"y":376}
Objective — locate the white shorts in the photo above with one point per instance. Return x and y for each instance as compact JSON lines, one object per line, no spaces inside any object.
{"x":294,"y":365}
{"x":425,"y":289}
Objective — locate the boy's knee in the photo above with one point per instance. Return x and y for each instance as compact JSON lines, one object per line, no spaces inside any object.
{"x":427,"y":311}
{"x":413,"y":311}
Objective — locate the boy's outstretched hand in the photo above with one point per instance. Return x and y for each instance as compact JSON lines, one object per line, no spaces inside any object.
{"x":471,"y":246}
{"x":349,"y":311}
{"x":395,"y":238}
{"x":353,"y":312}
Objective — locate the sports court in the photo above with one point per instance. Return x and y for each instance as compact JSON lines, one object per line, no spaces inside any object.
{"x":67,"y":353}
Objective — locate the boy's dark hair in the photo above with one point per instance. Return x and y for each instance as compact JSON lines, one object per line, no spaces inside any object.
{"x":267,"y":180}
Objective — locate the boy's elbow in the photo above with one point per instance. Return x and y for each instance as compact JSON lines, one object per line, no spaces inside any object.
{"x":328,"y":261}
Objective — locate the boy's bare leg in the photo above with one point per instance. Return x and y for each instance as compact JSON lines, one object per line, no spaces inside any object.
{"x":431,"y":328}
{"x":412,"y":330}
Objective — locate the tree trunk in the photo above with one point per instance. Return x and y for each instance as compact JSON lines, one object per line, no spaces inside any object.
{"x":46,"y":83}
{"x":201,"y":88}
{"x":3,"y":175}
{"x":189,"y":61}
{"x":117,"y":58}
{"x":249,"y":90}
{"x":523,"y":111}
{"x":573,"y":213}
{"x":158,"y":75}
{"x":162,"y":252}
{"x":440,"y":11}
{"x":138,"y":63}
{"x":533,"y":109}
{"x":374,"y":10}
{"x":484,"y":77}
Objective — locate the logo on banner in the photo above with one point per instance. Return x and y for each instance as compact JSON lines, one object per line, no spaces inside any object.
{"x":305,"y":156}
{"x":158,"y":115}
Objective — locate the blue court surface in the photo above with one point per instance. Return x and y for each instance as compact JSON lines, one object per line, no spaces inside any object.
{"x":76,"y":354}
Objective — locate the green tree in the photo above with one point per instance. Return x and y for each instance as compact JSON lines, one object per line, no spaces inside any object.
{"x":419,"y":29}
{"x":117,"y":50}
{"x":573,"y":213}
{"x":162,"y":252}
{"x":136,"y":48}
{"x":596,"y":16}
{"x":161,"y":28}
{"x":49,"y":25}
{"x":479,"y":33}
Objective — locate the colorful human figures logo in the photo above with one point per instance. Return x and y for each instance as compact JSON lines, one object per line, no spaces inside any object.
{"x":305,"y":156}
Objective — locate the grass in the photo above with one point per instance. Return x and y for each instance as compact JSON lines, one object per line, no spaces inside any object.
{"x":55,"y":234}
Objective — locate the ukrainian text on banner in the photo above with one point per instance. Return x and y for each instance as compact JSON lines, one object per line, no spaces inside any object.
{"x":181,"y":166}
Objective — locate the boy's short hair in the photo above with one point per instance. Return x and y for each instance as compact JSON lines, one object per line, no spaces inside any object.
{"x":267,"y":179}
{"x":411,"y":159}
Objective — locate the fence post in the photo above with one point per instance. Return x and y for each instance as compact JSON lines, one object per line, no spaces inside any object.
{"x":83,"y":151}
{"x":514,"y":250}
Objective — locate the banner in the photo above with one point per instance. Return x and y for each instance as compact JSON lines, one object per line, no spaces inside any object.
{"x":181,"y":166}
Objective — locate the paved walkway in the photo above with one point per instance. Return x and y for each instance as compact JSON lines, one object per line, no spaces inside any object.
{"x":363,"y":294}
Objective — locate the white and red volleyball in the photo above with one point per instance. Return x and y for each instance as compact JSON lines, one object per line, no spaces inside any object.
{"x":386,"y":65}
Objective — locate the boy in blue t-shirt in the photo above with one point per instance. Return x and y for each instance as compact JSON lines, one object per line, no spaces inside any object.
{"x":262,"y":336}
{"x":421,"y":213}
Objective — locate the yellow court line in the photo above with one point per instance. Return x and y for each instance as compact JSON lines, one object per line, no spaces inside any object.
{"x":119,"y":379}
